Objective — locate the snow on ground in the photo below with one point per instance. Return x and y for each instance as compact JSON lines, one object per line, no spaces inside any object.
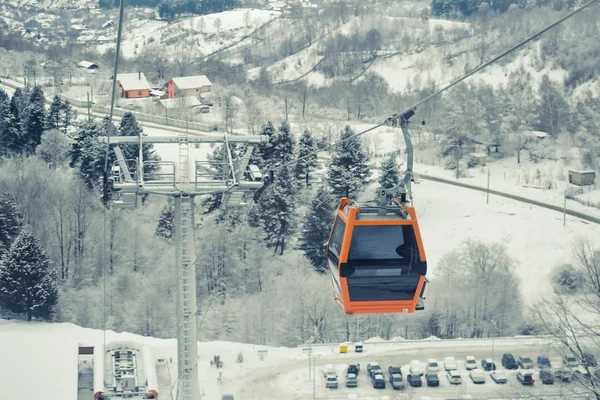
{"x":46,"y":354}
{"x":292,"y":67}
{"x":206,"y":33}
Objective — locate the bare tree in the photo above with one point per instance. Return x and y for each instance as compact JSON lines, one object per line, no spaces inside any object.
{"x":154,"y":55}
{"x":218,"y":24}
{"x":573,"y":319}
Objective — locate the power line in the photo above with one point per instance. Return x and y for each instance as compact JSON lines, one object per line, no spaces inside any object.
{"x":450,"y":85}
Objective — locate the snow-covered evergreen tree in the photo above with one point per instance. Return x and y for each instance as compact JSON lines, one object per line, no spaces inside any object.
{"x":348,"y":170}
{"x":54,"y":113}
{"x":130,"y":127}
{"x":9,"y":133}
{"x":276,"y":209}
{"x":317,"y":228}
{"x":27,"y":281}
{"x":87,"y":154}
{"x":263,"y":153}
{"x":307,"y":157}
{"x":283,"y":146}
{"x":34,"y":120}
{"x":166,"y":222}
{"x":10,"y":221}
{"x":390,"y":175}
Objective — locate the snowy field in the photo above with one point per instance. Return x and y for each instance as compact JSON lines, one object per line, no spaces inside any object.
{"x":47,"y":353}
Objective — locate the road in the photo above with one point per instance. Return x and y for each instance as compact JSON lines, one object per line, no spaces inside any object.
{"x":290,"y":379}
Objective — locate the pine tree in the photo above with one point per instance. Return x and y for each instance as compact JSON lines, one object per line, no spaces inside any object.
{"x":317,"y":227}
{"x":4,"y":97}
{"x":166,"y":222}
{"x":283,"y":146}
{"x":263,"y":153}
{"x":276,"y":209}
{"x":54,"y":113}
{"x":27,"y":282}
{"x":67,"y":115}
{"x":10,"y":221}
{"x":348,"y":170}
{"x":18,"y":102}
{"x":9,"y":134}
{"x":130,"y":127}
{"x":307,"y":157}
{"x":87,"y":154}
{"x":34,"y":120}
{"x":390,"y":175}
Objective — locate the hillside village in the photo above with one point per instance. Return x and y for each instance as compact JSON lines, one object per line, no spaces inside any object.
{"x":506,"y":163}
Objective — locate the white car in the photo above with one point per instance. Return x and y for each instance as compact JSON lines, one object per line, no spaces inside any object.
{"x":477,"y":375}
{"x":432,"y":365}
{"x":454,"y":377}
{"x":499,"y":376}
{"x":450,"y":364}
{"x":470,"y":363}
{"x":416,"y":368}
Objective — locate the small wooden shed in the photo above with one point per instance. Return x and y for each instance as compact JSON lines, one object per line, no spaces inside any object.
{"x":582,"y":178}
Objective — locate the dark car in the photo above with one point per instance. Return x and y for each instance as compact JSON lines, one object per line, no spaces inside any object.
{"x":378,"y":381}
{"x":488,"y":364}
{"x":544,"y":362}
{"x":526,"y":378}
{"x":396,"y":381}
{"x":525,"y":362}
{"x":414,"y":380}
{"x":590,"y":360}
{"x":432,"y":379}
{"x":564,"y":375}
{"x":546,"y":376}
{"x":508,"y":361}
{"x":373,"y":368}
{"x":353,"y":369}
{"x":394,"y":370}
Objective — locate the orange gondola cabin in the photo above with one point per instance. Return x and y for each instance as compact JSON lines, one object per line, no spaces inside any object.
{"x":376,"y":259}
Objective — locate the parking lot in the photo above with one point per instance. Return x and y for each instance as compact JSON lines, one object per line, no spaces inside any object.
{"x":299,"y":383}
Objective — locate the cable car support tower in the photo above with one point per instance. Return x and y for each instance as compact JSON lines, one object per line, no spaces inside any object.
{"x":231,"y":177}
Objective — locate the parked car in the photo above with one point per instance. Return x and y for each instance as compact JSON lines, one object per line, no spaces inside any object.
{"x":499,"y":377}
{"x":358,"y":347}
{"x":378,"y":381}
{"x":450,"y":364}
{"x":525,"y":362}
{"x":564,"y":374}
{"x":580,"y":370}
{"x":543,"y":362}
{"x":590,"y":360}
{"x":546,"y":376}
{"x":328,"y":369}
{"x":470,"y":363}
{"x":414,"y":380}
{"x":373,"y":368}
{"x":416,"y":367}
{"x":477,"y":375}
{"x":396,"y":381}
{"x":353,"y":369}
{"x":488,"y":365}
{"x":454,"y":377}
{"x":432,"y":365}
{"x":526,"y":378}
{"x":351,"y":380}
{"x":394,"y":370}
{"x":331,"y":381}
{"x":432,"y":379}
{"x":508,"y":361}
{"x":570,"y":361}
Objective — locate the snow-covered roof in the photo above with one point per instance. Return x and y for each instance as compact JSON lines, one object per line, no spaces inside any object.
{"x":191,"y":82}
{"x":133,"y":81}
{"x":158,"y":93}
{"x":190,"y":101}
{"x":87,"y":64}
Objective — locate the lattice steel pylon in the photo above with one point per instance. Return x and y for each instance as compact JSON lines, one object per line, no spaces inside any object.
{"x":176,"y":182}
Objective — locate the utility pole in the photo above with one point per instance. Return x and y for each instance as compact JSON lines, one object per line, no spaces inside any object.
{"x":565,"y":210}
{"x":487,"y":198}
{"x":183,"y":189}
